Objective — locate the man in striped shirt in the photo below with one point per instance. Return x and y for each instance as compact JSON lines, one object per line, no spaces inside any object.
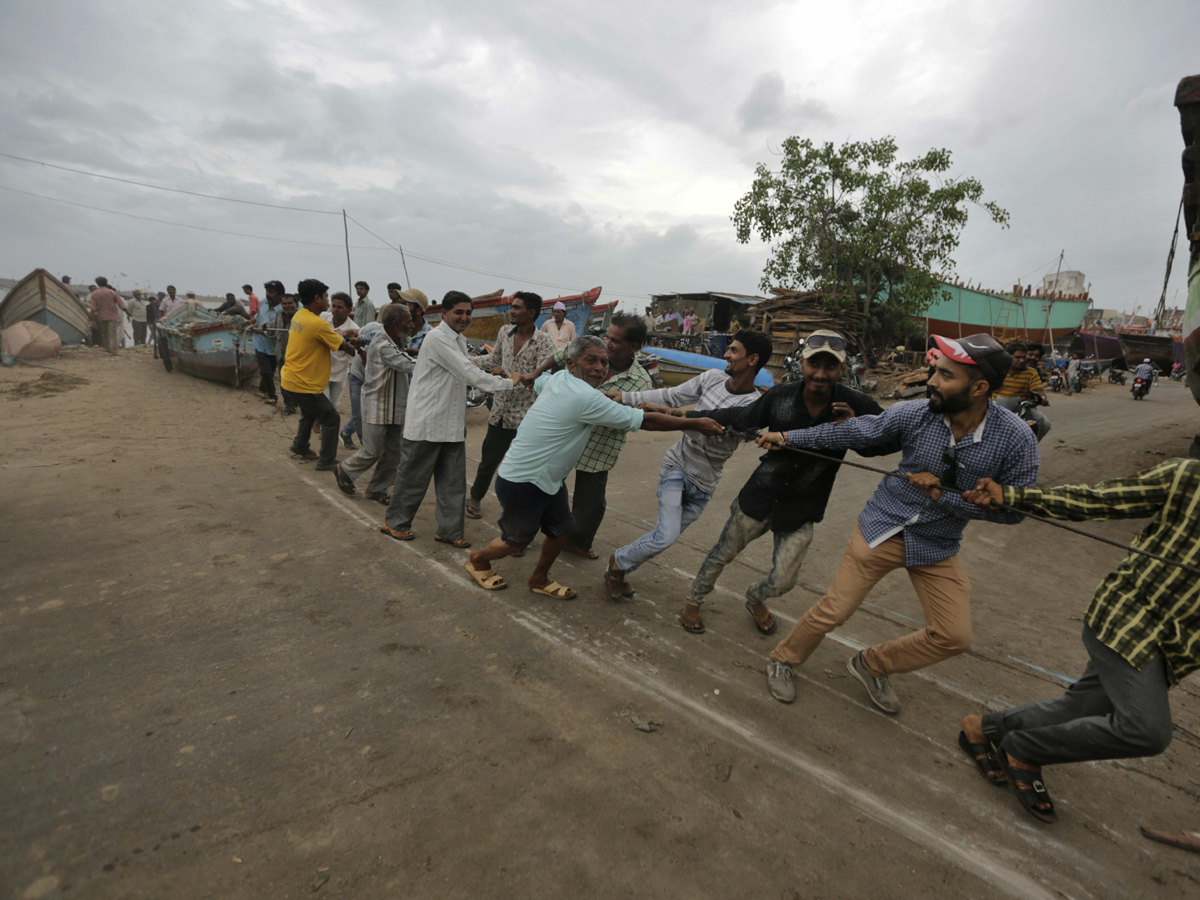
{"x":693,"y":466}
{"x":1023,"y":381}
{"x":383,"y":400}
{"x":1141,"y":633}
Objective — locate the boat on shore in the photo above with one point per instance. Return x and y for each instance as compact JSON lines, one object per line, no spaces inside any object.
{"x":42,"y":298}
{"x":1024,"y":315}
{"x":200,"y":343}
{"x":492,"y":313}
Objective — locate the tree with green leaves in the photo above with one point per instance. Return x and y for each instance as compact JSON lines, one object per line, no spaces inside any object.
{"x":857,"y":225}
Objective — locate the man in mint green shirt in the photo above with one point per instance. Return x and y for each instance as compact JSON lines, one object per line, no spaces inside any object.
{"x":530,"y":482}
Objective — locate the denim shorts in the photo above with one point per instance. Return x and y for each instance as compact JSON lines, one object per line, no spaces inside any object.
{"x":525,"y":509}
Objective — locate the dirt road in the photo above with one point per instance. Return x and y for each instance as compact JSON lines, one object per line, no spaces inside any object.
{"x":219,"y":680}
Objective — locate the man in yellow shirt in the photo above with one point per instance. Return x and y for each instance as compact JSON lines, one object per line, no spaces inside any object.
{"x":311,"y":341}
{"x":1023,"y":381}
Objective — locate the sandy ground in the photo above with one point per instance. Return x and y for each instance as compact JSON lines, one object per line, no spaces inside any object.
{"x":219,"y":680}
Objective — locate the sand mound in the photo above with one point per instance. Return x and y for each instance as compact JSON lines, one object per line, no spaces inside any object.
{"x":49,"y":383}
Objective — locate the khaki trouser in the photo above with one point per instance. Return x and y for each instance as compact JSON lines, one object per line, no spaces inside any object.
{"x":942,"y":588}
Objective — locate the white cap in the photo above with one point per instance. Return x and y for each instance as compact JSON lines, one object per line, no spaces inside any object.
{"x":563,"y":307}
{"x":1146,"y":360}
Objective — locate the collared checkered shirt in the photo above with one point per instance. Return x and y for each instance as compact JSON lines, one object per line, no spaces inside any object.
{"x":509,"y":408}
{"x":1002,"y":448}
{"x":1145,"y":605}
{"x":604,"y":446}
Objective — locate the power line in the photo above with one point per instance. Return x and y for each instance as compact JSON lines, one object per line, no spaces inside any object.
{"x":261,"y":237}
{"x":477,"y":271}
{"x":159,"y":187}
{"x":430,"y":259}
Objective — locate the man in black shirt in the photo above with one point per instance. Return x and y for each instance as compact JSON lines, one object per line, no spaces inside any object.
{"x":788,"y":491}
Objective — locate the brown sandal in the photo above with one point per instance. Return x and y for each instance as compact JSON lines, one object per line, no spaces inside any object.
{"x":692,"y":626}
{"x":614,"y":581}
{"x":398,"y":535}
{"x":460,"y":543}
{"x":766,"y":626}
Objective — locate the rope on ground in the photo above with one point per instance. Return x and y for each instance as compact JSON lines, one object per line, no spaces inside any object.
{"x":1037,"y":518}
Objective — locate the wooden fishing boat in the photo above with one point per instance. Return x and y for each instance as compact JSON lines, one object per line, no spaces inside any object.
{"x":492,"y":313}
{"x":40,"y":297}
{"x":678,"y":366}
{"x":198,"y":342}
{"x":1019,"y":316}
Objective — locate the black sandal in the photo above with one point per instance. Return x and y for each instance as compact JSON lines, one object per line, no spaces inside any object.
{"x":771,"y":625}
{"x":344,"y":482}
{"x":692,"y":626}
{"x":985,"y":760}
{"x":1035,"y":791}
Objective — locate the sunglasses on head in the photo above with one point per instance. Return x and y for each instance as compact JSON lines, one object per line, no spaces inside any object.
{"x":830,"y":341}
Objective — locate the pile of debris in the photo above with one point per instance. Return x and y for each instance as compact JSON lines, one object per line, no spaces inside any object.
{"x":792,"y":315}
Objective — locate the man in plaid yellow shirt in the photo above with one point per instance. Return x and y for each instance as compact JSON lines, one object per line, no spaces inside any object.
{"x":625,"y":337}
{"x":1141,"y":632}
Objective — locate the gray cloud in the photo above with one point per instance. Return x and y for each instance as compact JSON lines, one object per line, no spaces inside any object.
{"x":568,"y":142}
{"x":767,"y":106}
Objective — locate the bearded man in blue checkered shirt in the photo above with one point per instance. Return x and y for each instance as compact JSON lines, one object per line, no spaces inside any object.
{"x":956,"y":437}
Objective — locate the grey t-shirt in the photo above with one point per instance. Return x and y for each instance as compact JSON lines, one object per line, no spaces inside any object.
{"x":700,"y":457}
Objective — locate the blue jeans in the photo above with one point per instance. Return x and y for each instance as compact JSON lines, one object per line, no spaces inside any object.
{"x":679,"y":505}
{"x":739,"y":531}
{"x":354,"y":423}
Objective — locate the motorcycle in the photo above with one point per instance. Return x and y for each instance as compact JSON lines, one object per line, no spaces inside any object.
{"x":1141,"y":387}
{"x":1024,"y":408}
{"x":475,"y":397}
{"x":1056,"y":381}
{"x":1115,"y":375}
{"x":856,"y":371}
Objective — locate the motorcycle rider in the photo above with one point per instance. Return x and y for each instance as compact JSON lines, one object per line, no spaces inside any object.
{"x":1146,"y":372}
{"x":1022,"y":383}
{"x":1073,"y":375}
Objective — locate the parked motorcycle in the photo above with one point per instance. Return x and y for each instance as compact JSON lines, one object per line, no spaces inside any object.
{"x":1141,"y":387}
{"x":1055,"y":381}
{"x":1115,"y":375}
{"x":475,"y":397}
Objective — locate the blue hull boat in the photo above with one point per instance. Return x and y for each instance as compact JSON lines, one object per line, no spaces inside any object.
{"x":202,"y":344}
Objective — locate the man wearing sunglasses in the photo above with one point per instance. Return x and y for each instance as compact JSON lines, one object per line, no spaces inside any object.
{"x":787,"y":493}
{"x":962,"y":435}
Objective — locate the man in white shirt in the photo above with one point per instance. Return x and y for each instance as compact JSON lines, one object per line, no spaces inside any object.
{"x":435,"y":427}
{"x":559,"y":327}
{"x":339,"y":368}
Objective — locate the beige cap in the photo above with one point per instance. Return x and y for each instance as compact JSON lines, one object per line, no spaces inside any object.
{"x":825,"y":341}
{"x":412,"y":295}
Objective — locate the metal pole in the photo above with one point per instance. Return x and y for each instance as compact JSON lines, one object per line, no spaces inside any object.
{"x":404,"y":262}
{"x":349,"y":277}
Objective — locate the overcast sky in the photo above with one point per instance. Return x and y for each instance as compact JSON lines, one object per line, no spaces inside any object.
{"x":573,"y":143}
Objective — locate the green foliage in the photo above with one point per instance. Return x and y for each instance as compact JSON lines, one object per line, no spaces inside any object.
{"x":856,"y":224}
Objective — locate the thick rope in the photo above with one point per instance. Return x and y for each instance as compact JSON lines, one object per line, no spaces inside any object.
{"x":1037,"y":518}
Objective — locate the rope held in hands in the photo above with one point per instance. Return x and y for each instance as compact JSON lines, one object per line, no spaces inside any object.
{"x":1001,"y":506}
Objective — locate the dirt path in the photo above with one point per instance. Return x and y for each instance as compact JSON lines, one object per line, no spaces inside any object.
{"x":219,"y":680}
